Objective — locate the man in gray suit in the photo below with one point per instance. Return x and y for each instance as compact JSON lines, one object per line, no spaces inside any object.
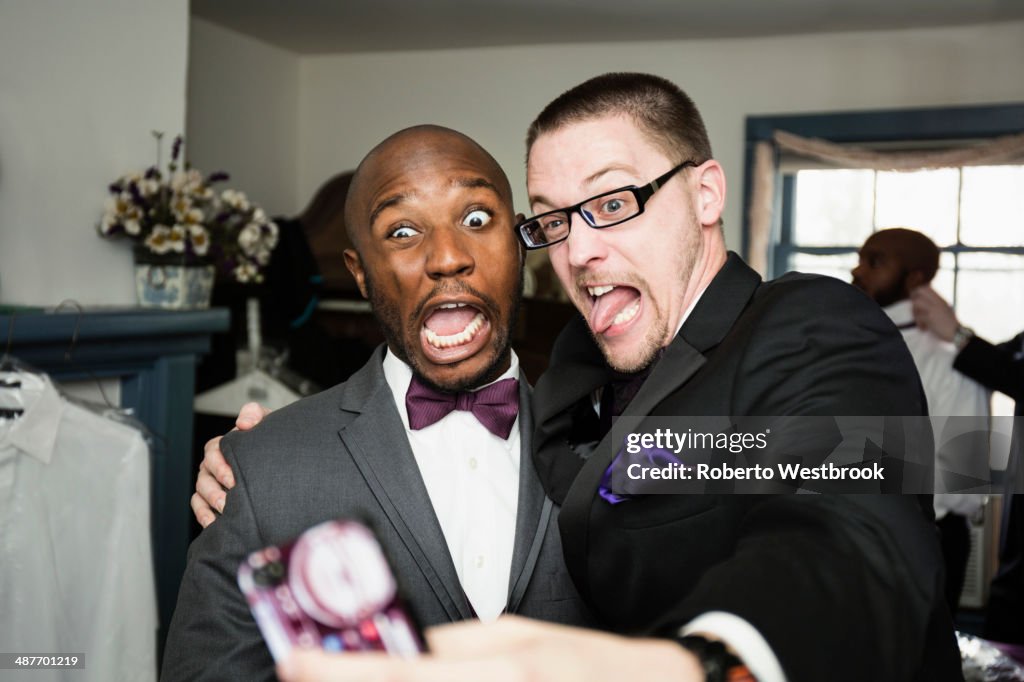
{"x":424,"y":441}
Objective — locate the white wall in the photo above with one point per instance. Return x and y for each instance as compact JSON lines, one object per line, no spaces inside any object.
{"x":243,"y":106}
{"x":81,"y":87}
{"x":350,"y":102}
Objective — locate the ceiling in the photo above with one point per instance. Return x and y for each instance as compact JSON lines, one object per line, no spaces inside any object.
{"x":331,"y":26}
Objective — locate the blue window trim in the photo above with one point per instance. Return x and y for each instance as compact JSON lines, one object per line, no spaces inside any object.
{"x":933,"y":123}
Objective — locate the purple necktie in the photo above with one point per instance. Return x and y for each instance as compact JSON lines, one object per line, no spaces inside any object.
{"x":495,"y":406}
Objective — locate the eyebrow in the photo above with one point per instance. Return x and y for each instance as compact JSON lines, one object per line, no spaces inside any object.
{"x":386,"y":203}
{"x":396,"y":199}
{"x":589,"y":180}
{"x":475,"y":183}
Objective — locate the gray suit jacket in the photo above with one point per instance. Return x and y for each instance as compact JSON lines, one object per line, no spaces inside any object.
{"x":344,"y":453}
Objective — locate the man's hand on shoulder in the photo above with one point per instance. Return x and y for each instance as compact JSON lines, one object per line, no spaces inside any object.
{"x":215,"y":475}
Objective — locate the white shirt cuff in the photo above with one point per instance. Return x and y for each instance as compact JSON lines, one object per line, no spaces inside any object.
{"x":743,"y":639}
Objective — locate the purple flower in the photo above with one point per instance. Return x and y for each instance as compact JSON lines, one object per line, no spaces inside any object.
{"x":176,"y":148}
{"x":219,"y":176}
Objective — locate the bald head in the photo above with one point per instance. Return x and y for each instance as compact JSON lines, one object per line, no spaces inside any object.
{"x":429,"y":213}
{"x":893,"y":262}
{"x":429,"y":148}
{"x":915,"y":252}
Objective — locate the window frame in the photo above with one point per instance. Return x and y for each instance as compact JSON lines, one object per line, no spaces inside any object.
{"x":890,"y":125}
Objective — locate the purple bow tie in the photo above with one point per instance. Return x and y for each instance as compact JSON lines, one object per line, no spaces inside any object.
{"x":495,"y":406}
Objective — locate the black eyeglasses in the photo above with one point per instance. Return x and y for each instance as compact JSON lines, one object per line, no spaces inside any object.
{"x":604,"y":210}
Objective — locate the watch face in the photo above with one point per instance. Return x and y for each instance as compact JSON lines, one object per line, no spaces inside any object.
{"x":331,"y":588}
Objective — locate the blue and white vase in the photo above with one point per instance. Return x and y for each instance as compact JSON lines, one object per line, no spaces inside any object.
{"x":168,"y":282}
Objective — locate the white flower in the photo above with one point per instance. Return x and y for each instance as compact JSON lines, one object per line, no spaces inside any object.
{"x":258,"y":216}
{"x":235,"y":199}
{"x":263,"y":256}
{"x":121,"y":204}
{"x":180,"y":205}
{"x":148,"y":187}
{"x":108,"y":222}
{"x":176,"y":239}
{"x":270,"y":239}
{"x":200,"y":239}
{"x":186,"y":181}
{"x":246,"y":272}
{"x":178,"y":181}
{"x":132,"y":227}
{"x":192,"y":217}
{"x":157,"y":241}
{"x":249,"y":238}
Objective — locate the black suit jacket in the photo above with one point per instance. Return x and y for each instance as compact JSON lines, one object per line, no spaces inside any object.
{"x":841,"y":587}
{"x":999,"y":367}
{"x":344,"y":453}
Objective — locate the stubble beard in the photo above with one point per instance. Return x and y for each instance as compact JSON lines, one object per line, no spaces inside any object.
{"x":647,"y":349}
{"x":399,"y":335}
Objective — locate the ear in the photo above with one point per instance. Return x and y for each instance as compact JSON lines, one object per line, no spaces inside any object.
{"x":355,"y":266}
{"x":710,"y":193}
{"x":915,"y":278}
{"x":522,"y":249}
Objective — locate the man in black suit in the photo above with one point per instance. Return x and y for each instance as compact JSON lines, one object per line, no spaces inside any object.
{"x":458,"y":509}
{"x":1000,"y":367}
{"x":627,"y":196}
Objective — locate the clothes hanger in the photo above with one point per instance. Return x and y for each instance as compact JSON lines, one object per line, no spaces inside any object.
{"x":106,"y":409}
{"x":9,"y":380}
{"x":252,"y":385}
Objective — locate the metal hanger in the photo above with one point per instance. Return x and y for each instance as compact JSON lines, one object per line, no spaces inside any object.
{"x":8,"y":367}
{"x":107,"y":409}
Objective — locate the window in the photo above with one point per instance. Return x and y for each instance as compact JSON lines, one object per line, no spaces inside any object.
{"x":975,"y":214}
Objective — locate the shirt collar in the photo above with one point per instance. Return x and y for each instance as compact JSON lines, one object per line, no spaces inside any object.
{"x":398,"y":375}
{"x":689,"y":309}
{"x":35,"y":431}
{"x":901,"y":312}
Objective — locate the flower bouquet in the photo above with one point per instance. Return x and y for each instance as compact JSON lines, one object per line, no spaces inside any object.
{"x":185,"y":233}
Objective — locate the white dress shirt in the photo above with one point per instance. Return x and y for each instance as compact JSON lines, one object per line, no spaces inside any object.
{"x":949,"y":394}
{"x":472,"y":477}
{"x":76,"y":570}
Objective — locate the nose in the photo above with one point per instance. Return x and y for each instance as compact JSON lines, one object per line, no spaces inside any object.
{"x":449,"y":254}
{"x":585,"y":244}
{"x":854,"y":271}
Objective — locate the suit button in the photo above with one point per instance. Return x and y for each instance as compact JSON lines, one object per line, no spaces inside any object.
{"x":472,"y":463}
{"x":480,"y":561}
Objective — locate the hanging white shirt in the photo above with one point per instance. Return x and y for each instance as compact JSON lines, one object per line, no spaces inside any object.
{"x":472,"y":478}
{"x":76,"y":570}
{"x":949,"y":394}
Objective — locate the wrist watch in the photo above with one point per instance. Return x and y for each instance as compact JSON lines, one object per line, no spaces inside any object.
{"x":961,"y":336}
{"x":720,"y":665}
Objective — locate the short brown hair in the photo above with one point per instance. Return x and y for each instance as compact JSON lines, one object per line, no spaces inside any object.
{"x":665,"y":114}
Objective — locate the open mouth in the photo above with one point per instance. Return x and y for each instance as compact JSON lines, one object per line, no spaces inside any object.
{"x":453,"y":330}
{"x":613,"y":307}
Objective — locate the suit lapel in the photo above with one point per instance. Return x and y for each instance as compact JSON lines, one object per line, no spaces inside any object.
{"x":531,"y":522}
{"x":709,"y":323}
{"x":378,"y":444}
